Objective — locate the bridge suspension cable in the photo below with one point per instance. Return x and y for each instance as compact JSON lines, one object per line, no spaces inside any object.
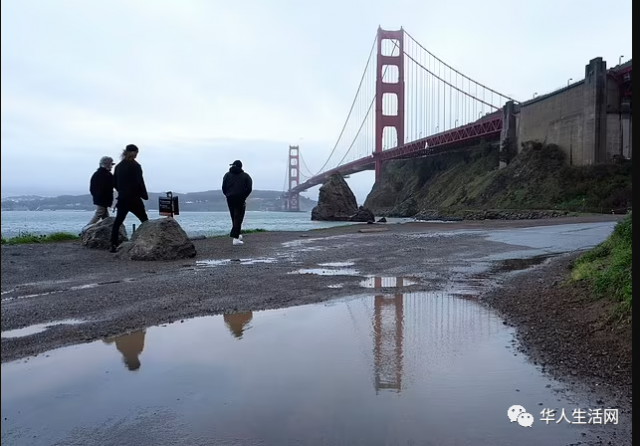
{"x":453,"y":69}
{"x":303,"y":164}
{"x":437,"y":98}
{"x":355,"y":138}
{"x":368,"y":122}
{"x":440,"y":98}
{"x":353,"y":105}
{"x":437,"y":76}
{"x":285,"y":188}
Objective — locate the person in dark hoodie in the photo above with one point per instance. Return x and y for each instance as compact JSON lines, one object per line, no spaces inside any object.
{"x":129,"y":183}
{"x":101,"y":189}
{"x":237,"y":185}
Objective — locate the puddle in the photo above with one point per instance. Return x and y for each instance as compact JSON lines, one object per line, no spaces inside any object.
{"x":213,"y":262}
{"x":387,"y":282}
{"x":328,"y":272}
{"x":39,"y":328}
{"x":29,"y":296}
{"x":337,"y":264}
{"x":519,"y":264}
{"x":221,"y":262}
{"x":305,"y":241}
{"x":441,"y":234}
{"x":256,"y":261}
{"x":410,"y":369}
{"x":300,"y":242}
{"x":86,"y":286}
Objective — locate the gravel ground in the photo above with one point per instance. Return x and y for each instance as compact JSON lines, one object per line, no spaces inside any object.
{"x":572,"y":337}
{"x":53,"y":282}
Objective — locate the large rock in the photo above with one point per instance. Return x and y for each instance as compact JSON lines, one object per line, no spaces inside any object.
{"x":160,"y":239}
{"x":336,"y":202}
{"x":98,"y":235}
{"x":363,"y":215}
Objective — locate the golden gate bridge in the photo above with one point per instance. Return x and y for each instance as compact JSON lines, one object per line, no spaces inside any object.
{"x":409,"y":104}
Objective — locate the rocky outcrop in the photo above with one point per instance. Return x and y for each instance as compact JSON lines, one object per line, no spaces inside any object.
{"x":336,"y":202}
{"x":539,"y":177}
{"x":363,"y":215}
{"x":160,"y":239}
{"x":98,"y":235}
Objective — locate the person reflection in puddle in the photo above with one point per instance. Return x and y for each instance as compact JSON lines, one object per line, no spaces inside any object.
{"x":236,"y":323}
{"x":130,"y":345}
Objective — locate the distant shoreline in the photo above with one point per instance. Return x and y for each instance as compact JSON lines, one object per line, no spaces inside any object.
{"x":148,"y":211}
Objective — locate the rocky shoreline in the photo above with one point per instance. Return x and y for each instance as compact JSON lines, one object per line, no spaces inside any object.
{"x":489,"y":214}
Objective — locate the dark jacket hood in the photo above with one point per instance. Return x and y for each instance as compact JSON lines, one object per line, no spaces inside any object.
{"x":235,"y":170}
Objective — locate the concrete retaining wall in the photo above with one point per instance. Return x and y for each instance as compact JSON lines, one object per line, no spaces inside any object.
{"x":559,"y":119}
{"x":585,"y":119}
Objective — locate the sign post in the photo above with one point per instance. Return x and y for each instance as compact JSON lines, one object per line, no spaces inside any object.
{"x":168,"y":206}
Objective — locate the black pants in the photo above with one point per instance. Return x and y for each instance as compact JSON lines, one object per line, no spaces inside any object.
{"x":136,"y":207}
{"x":237,"y":208}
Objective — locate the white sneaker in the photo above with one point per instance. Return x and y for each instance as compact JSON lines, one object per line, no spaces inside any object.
{"x":237,"y":242}
{"x":240,"y":237}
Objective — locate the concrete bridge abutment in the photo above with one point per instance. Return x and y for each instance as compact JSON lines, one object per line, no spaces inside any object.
{"x":586,"y":119}
{"x":508,"y":135}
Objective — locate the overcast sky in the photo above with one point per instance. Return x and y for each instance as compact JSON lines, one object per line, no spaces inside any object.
{"x":199,"y":83}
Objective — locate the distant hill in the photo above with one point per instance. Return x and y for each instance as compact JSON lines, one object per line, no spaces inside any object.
{"x":208,"y":201}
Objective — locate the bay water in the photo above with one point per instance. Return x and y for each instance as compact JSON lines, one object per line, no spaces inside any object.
{"x":194,"y":223}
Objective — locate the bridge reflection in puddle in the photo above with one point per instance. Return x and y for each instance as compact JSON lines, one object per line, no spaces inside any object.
{"x":404,"y":367}
{"x":387,"y":282}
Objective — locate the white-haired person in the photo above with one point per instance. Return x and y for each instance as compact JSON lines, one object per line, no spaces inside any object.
{"x":101,"y":188}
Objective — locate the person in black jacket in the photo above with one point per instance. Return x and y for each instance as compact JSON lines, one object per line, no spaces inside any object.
{"x":101,"y":189}
{"x":237,"y":185}
{"x":129,"y":183}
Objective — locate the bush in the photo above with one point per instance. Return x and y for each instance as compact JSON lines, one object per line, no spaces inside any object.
{"x":609,"y":266}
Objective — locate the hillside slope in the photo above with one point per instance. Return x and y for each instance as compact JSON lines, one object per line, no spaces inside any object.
{"x":537,"y":179}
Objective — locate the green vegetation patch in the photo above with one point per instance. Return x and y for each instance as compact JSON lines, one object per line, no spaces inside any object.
{"x":253,"y":231}
{"x":28,"y":238}
{"x":608,"y":267}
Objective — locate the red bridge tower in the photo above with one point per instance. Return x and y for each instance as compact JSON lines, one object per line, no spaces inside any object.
{"x":396,"y":120}
{"x":292,"y":199}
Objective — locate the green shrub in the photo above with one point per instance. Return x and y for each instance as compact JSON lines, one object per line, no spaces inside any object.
{"x":609,"y":266}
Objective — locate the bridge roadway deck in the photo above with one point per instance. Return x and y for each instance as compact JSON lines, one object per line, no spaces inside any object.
{"x":488,"y":129}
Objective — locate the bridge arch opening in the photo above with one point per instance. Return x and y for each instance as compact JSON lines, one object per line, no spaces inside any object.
{"x":390,"y":104}
{"x":390,"y":74}
{"x":390,"y":47}
{"x":389,"y":138}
